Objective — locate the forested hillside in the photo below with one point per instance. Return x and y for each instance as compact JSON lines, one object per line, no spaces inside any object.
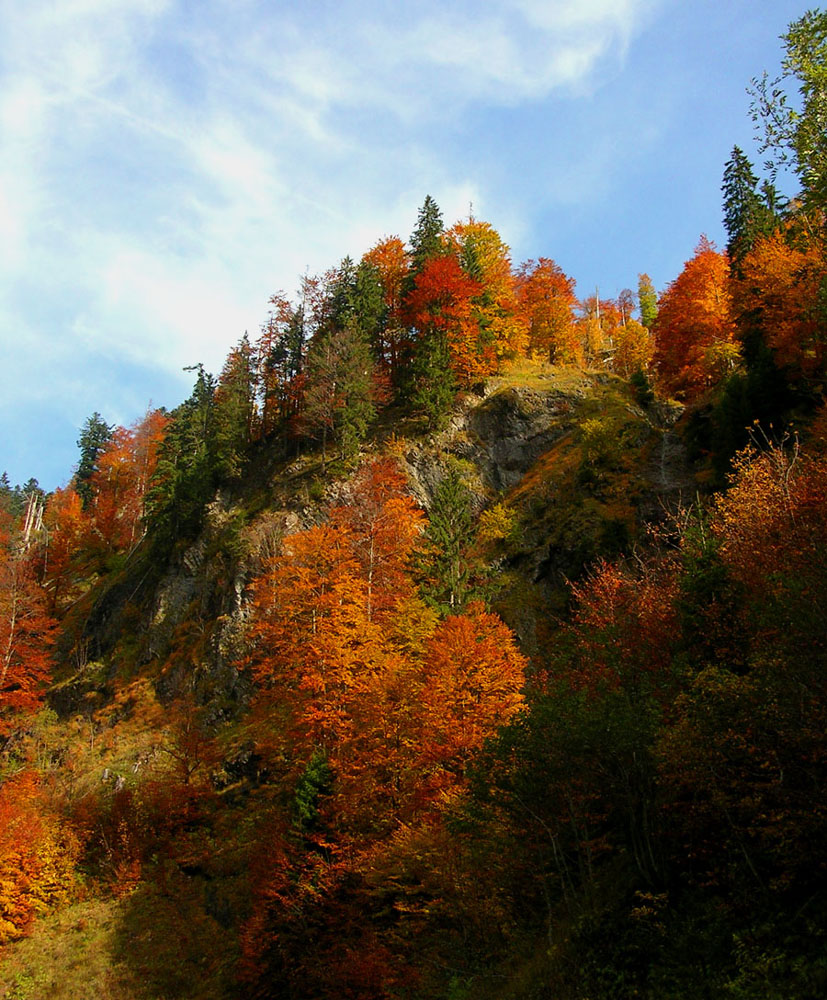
{"x":461,"y":638}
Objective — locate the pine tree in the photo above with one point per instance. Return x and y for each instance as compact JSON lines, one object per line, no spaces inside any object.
{"x":450,"y":530}
{"x":184,"y":477}
{"x":234,"y":419}
{"x":339,"y":399}
{"x":746,"y":216}
{"x":426,"y":239}
{"x":94,"y":435}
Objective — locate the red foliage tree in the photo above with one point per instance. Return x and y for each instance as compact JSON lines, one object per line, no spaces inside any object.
{"x":625,"y":624}
{"x":391,"y":260}
{"x":26,"y":635}
{"x":120,"y":482}
{"x":441,"y":304}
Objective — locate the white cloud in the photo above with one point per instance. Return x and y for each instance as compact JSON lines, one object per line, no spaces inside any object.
{"x":166,"y":166}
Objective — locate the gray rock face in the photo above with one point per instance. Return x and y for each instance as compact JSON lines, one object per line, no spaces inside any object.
{"x":512,"y":429}
{"x":502,"y":437}
{"x":497,"y":435}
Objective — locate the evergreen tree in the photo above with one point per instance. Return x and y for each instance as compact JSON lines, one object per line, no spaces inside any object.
{"x":339,"y":397}
{"x":426,"y":239}
{"x":774,"y":202}
{"x":280,"y":356}
{"x":184,"y":477}
{"x":356,"y":408}
{"x":339,"y":306}
{"x":746,"y":216}
{"x":448,"y":535}
{"x":234,"y":412}
{"x":370,"y":312}
{"x":6,"y":494}
{"x":94,"y":436}
{"x":432,"y":384}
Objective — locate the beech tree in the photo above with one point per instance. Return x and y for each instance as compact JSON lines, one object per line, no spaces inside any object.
{"x":125,"y":467}
{"x":695,"y":330}
{"x":546,"y":301}
{"x":647,"y":301}
{"x":486,"y":258}
{"x":37,"y":856}
{"x":779,"y":292}
{"x":474,"y":677}
{"x":797,"y":137}
{"x":383,"y":523}
{"x":441,"y":309}
{"x":391,"y":261}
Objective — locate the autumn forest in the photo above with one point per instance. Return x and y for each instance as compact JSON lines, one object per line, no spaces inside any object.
{"x":463,"y":637}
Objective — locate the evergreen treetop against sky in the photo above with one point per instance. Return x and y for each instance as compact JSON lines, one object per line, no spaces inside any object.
{"x":167,"y":167}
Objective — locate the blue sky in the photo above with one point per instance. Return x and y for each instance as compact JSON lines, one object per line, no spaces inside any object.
{"x":166,"y":165}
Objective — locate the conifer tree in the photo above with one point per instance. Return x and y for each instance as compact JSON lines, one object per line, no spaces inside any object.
{"x":426,"y":239}
{"x":746,"y":216}
{"x":234,"y":418}
{"x":370,"y":312}
{"x":94,"y":435}
{"x":184,"y":476}
{"x":432,"y":384}
{"x":447,"y":537}
{"x":339,"y":398}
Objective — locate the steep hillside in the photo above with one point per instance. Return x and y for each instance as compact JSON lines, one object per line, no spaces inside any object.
{"x":577,"y":467}
{"x":559,"y":467}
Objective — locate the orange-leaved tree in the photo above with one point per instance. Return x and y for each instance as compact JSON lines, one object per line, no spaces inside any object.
{"x":484,"y":257}
{"x":392,"y":262}
{"x":383,"y":523}
{"x":64,"y":547}
{"x":473,"y":680}
{"x":26,"y":635}
{"x":37,"y":856}
{"x":313,"y":643}
{"x":546,"y":301}
{"x":695,"y":330}
{"x":119,"y":484}
{"x":779,"y":291}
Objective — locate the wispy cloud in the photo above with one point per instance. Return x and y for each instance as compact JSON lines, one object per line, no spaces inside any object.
{"x":166,"y":166}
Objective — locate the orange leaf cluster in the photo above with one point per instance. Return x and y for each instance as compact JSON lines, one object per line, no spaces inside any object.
{"x":779,"y":289}
{"x":695,"y":329}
